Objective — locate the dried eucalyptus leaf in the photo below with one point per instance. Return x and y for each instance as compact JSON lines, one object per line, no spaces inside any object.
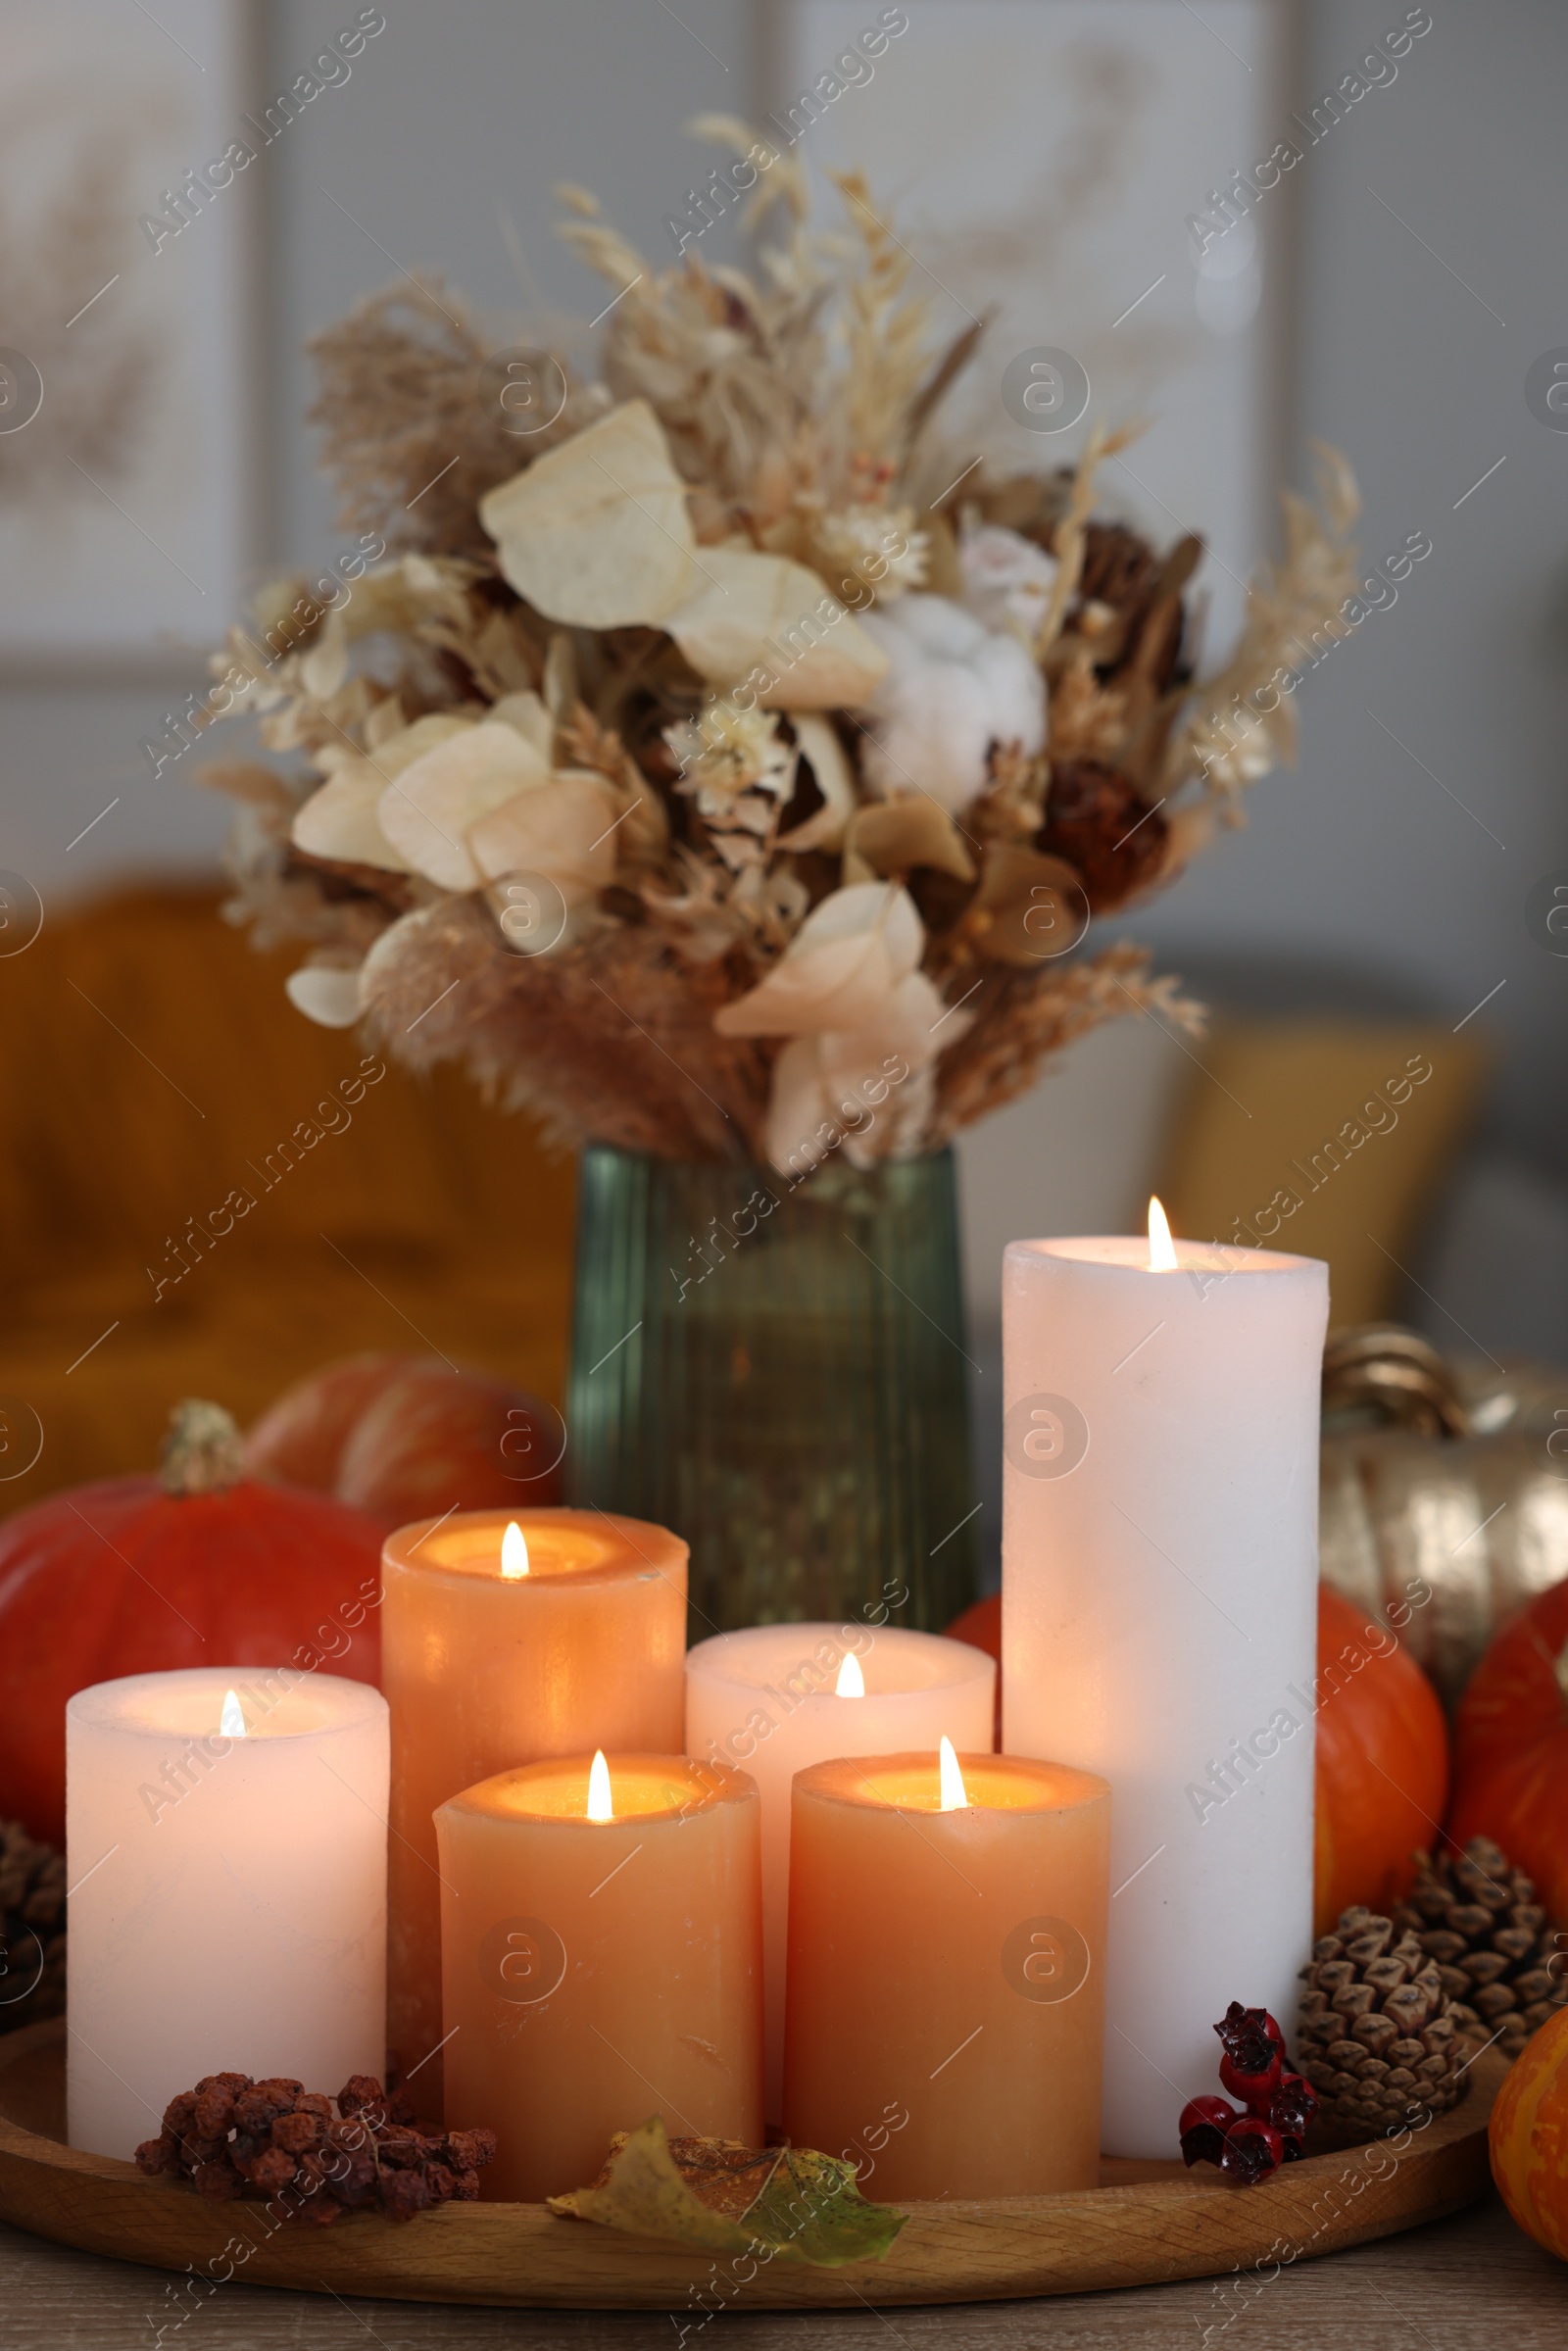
{"x":894,"y":834}
{"x":596,"y":531}
{"x":793,"y":2202}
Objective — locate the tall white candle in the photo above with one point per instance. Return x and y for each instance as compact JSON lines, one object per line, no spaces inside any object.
{"x":778,"y":1698}
{"x":227,"y":1888}
{"x":1159,"y":1588}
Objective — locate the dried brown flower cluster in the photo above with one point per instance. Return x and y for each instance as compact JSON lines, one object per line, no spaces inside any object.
{"x":699,"y":770}
{"x":231,"y":2136}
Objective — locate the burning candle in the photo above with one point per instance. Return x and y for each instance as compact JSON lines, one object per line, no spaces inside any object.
{"x":944,"y":2012}
{"x":1159,"y":1595}
{"x":225,"y":1849}
{"x":504,"y":1641}
{"x":778,"y":1697}
{"x":601,"y":1960}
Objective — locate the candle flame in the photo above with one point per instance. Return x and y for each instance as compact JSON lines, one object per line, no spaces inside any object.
{"x":955,"y":1795}
{"x":231,"y":1723}
{"x":850,"y":1682}
{"x":599,"y":1805}
{"x":513,"y":1553}
{"x":1161,"y":1249}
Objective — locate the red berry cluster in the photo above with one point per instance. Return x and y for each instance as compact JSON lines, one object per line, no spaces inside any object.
{"x":1269,"y":2128}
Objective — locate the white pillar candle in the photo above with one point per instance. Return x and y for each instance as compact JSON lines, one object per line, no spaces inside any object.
{"x":1159,"y":1615}
{"x":778,"y":1698}
{"x":227,"y":1888}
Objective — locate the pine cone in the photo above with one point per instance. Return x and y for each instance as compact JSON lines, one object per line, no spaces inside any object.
{"x":1478,"y":1918}
{"x":1117,"y":565}
{"x":1377,"y":2036}
{"x":1101,"y":824}
{"x":32,"y":1929}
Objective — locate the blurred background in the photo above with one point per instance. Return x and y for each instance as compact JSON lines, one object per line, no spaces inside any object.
{"x":1069,"y":162}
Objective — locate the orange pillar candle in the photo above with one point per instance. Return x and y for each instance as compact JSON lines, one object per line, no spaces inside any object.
{"x":601,"y":1961}
{"x":575,"y":1638}
{"x":944,"y":2011}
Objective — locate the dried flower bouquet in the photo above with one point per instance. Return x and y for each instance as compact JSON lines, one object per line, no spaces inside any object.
{"x":691,"y":770}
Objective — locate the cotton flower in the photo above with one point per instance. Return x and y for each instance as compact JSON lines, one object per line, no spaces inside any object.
{"x":1006,"y":578}
{"x":953,"y":688}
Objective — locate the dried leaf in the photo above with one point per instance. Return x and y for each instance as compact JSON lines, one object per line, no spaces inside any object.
{"x":820,"y":747}
{"x":427,"y":811}
{"x":563,"y":830}
{"x":1030,"y":907}
{"x":791,"y":2202}
{"x":895,"y":834}
{"x":596,"y":531}
{"x":760,"y":612}
{"x":838,"y":971}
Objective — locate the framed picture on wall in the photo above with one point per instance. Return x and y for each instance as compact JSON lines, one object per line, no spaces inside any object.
{"x":128,"y":198}
{"x":1059,"y":167}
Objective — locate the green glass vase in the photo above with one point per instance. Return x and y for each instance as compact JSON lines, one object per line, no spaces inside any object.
{"x":776,"y":1372}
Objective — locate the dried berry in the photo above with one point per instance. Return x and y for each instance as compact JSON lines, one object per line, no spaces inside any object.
{"x":1291,"y":2110}
{"x":1279,"y":2103}
{"x":1249,"y":2036}
{"x":217,"y":2178}
{"x":469,"y":2150}
{"x":296,"y":2133}
{"x":161,"y":2154}
{"x":404,"y":2194}
{"x":1252,"y":2149}
{"x":214,"y":2116}
{"x":230,"y":2134}
{"x":1202,"y":2128}
{"x":273,"y":2170}
{"x":1254,"y":2055}
{"x":359,"y":2090}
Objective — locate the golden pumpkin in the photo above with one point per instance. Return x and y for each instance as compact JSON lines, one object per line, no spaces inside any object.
{"x":1440,"y":1476}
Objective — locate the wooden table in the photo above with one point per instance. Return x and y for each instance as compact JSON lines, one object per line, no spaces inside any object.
{"x":1470,"y":2284}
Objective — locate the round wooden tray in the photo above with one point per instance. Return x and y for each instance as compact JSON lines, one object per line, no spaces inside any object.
{"x":1144,"y":2223}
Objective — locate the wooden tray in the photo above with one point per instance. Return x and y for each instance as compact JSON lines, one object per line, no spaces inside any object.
{"x":1145,"y":2223}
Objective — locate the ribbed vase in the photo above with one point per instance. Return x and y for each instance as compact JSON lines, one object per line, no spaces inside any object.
{"x":777,"y":1373}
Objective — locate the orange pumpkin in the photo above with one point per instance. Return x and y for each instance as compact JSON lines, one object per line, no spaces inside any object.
{"x":1511,"y":1747}
{"x":196,"y":1566}
{"x":981,"y":1627}
{"x":1382,"y":1764}
{"x":405,"y":1437}
{"x":301,"y":1438}
{"x":1382,"y":1756}
{"x":1528,"y":2136}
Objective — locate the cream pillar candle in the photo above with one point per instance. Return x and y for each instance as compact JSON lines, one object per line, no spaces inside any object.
{"x":778,"y":1697}
{"x":1160,"y":1613}
{"x":225,"y":1850}
{"x":600,"y":1956}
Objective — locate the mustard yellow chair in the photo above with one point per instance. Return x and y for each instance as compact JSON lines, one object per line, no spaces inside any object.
{"x":204,"y":1193}
{"x":1328,"y":1138}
